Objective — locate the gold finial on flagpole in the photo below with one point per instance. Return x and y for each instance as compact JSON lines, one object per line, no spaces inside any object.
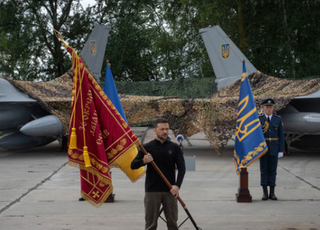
{"x":59,"y":36}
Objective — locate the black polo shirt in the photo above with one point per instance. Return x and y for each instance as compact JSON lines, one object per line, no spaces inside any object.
{"x":168,"y":156}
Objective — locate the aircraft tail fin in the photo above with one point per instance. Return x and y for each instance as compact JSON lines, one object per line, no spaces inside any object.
{"x":226,"y":58}
{"x":94,"y":49}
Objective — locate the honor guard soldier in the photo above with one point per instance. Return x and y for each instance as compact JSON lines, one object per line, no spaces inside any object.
{"x":273,"y":132}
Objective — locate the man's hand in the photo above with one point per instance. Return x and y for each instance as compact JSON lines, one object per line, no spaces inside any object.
{"x":147,"y":158}
{"x":280,"y":154}
{"x":175,"y":190}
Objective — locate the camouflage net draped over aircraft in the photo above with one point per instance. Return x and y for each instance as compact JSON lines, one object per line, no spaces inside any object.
{"x":53,"y":96}
{"x":216,"y":115}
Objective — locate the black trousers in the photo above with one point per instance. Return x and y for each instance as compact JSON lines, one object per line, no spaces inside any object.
{"x":268,"y":170}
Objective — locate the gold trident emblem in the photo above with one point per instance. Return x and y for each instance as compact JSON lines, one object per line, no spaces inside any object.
{"x":245,"y":126}
{"x":225,"y":50}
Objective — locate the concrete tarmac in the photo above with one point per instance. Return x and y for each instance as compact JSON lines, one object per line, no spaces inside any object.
{"x":40,"y":191}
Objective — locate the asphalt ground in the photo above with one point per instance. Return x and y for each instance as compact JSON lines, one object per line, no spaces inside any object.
{"x":40,"y":191}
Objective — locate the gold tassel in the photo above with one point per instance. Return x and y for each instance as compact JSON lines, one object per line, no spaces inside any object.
{"x":73,"y":140}
{"x":86,"y":156}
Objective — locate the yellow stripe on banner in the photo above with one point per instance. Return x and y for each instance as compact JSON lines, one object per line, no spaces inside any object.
{"x":124,"y":163}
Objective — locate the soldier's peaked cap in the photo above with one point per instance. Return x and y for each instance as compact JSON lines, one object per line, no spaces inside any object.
{"x":268,"y":102}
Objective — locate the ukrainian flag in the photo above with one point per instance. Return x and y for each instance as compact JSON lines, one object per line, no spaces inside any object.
{"x":124,"y":163}
{"x":112,"y":93}
{"x":250,"y":144}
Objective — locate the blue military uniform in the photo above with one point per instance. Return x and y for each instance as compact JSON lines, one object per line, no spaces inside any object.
{"x":273,"y":131}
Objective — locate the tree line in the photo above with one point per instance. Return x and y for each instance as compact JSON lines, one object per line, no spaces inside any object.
{"x":159,"y":39}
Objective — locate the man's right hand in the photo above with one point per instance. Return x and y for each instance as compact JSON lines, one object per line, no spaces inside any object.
{"x":147,"y":158}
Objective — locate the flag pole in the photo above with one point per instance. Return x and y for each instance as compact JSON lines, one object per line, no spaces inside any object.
{"x":170,"y":186}
{"x":243,"y":194}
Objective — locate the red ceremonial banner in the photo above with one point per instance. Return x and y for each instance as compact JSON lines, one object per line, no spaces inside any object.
{"x":99,"y":137}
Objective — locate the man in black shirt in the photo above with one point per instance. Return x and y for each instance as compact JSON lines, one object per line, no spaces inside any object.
{"x":167,"y":156}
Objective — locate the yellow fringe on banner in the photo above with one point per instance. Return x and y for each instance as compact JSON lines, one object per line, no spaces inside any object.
{"x":86,"y":156}
{"x":73,"y":139}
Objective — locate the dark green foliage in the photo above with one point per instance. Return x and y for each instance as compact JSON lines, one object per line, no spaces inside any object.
{"x":159,"y":40}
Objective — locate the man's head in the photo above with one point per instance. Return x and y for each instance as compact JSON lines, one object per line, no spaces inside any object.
{"x":161,"y":129}
{"x":267,"y":106}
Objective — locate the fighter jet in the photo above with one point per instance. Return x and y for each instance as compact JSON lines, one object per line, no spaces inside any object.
{"x":23,"y":121}
{"x":301,"y":117}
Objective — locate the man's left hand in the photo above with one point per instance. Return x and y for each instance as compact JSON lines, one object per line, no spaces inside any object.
{"x":175,"y":190}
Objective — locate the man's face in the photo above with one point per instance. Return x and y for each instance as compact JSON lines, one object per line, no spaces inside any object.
{"x":268,"y":110}
{"x":162,"y":131}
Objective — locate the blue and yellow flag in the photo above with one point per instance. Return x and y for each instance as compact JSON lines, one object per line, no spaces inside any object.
{"x":125,"y":162}
{"x":250,"y":144}
{"x":112,"y":93}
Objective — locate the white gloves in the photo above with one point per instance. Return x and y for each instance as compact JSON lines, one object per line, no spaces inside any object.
{"x":280,"y":154}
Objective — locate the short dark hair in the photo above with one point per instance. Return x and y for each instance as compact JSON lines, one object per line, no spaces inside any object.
{"x":158,"y":121}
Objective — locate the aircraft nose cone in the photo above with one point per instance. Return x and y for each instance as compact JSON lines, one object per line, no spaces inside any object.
{"x":45,"y":126}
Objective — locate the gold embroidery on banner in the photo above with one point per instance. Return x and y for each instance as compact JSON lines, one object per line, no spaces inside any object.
{"x":95,"y":194}
{"x":119,"y":147}
{"x":94,"y":122}
{"x":99,"y":140}
{"x":75,"y":155}
{"x":123,"y":141}
{"x":236,"y":156}
{"x":124,"y":124}
{"x":92,"y":81}
{"x":99,"y":166}
{"x":105,"y":133}
{"x":86,"y":111}
{"x":101,"y":184}
{"x":82,"y":125}
{"x":253,"y":153}
{"x":104,"y":169}
{"x":112,"y":153}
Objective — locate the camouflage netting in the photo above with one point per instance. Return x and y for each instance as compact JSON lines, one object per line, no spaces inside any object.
{"x":216,"y":115}
{"x":54,"y":96}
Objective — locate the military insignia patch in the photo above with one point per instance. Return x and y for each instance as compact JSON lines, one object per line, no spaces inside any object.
{"x":225,"y":50}
{"x":93,"y":47}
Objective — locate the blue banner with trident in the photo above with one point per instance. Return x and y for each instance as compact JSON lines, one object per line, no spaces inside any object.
{"x":250,"y":144}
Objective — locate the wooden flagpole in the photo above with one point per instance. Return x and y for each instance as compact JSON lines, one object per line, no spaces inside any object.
{"x":243,"y":194}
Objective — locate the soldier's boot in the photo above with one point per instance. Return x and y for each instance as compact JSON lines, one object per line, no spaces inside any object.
{"x":272,"y":196}
{"x":265,"y":193}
